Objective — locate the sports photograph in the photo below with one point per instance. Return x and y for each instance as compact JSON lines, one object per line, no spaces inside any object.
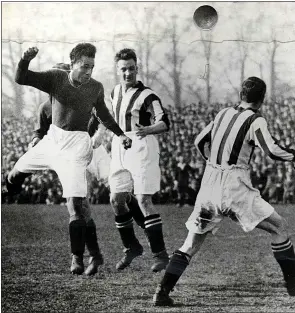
{"x":147,"y":157}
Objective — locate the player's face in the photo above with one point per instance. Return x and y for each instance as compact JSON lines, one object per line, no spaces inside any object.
{"x":82,"y":69}
{"x":127,"y":71}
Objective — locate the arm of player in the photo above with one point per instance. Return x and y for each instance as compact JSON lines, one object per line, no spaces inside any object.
{"x":203,"y":140}
{"x":153,"y":105}
{"x":259,"y":133}
{"x":43,"y":124}
{"x":23,"y":76}
{"x":103,"y":114}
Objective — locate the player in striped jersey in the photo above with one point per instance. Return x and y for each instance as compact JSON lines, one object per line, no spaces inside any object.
{"x":139,"y":111}
{"x":227,"y":144}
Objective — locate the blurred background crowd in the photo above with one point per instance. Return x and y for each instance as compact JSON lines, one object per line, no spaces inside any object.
{"x":181,"y":166}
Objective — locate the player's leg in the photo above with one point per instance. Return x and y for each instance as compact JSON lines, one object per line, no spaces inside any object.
{"x":96,"y":258}
{"x":282,"y":248}
{"x":35,"y":159}
{"x":124,"y":224}
{"x":135,"y":210}
{"x":204,"y":218}
{"x":176,"y":267}
{"x":154,"y":231}
{"x":146,"y":175}
{"x":121,"y":184}
{"x":77,"y":231}
{"x":14,"y":181}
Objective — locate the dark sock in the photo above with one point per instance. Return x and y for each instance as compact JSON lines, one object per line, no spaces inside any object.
{"x":77,"y":230}
{"x":177,"y":265}
{"x":285,"y":256}
{"x":135,"y":210}
{"x":91,"y":238}
{"x":13,"y":189}
{"x":124,"y":224}
{"x":154,"y":232}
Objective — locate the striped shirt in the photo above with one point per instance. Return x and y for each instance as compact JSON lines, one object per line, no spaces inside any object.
{"x":233,"y":135}
{"x":137,"y":105}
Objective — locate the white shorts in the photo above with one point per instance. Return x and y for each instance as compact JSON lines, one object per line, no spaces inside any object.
{"x":67,"y":153}
{"x":100,"y":164}
{"x":136,"y":168}
{"x":227,"y":192}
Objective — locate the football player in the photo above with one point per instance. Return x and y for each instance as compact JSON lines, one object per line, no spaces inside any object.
{"x":67,"y":148}
{"x":226,"y":188}
{"x":139,"y":112}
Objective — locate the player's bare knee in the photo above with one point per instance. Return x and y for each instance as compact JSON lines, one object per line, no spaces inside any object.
{"x":75,"y":208}
{"x":145,"y":201}
{"x":118,"y":202}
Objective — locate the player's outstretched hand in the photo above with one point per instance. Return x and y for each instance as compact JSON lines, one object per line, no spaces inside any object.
{"x":126,"y":141}
{"x":142,"y":131}
{"x":30,"y":53}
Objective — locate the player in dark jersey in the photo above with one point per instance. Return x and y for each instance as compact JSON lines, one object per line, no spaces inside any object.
{"x":139,"y":112}
{"x":226,"y":188}
{"x":67,"y":148}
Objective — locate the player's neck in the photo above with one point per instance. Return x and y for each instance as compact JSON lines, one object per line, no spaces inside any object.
{"x":126,"y":87}
{"x":246,"y":105}
{"x":73,"y":82}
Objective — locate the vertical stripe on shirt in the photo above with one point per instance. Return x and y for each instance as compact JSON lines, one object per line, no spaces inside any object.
{"x":225,"y":136}
{"x":128,"y":113}
{"x":118,"y":106}
{"x":237,"y":146}
{"x":218,"y":124}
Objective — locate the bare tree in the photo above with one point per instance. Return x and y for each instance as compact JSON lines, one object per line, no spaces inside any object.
{"x":12,"y":103}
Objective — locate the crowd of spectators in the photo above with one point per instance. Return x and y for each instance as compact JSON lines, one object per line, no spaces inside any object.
{"x":181,"y":165}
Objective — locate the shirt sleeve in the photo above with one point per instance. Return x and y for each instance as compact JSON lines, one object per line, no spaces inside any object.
{"x":261,"y":137}
{"x":40,"y":80}
{"x":153,"y":105}
{"x":204,"y":139}
{"x":103,"y":114}
{"x":44,"y":121}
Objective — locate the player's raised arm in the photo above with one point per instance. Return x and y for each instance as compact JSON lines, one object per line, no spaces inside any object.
{"x":23,"y":76}
{"x":108,"y":121}
{"x":259,"y":133}
{"x":204,"y":138}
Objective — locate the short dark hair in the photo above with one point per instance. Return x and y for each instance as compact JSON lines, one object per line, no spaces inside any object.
{"x":126,"y":54}
{"x":82,"y":49}
{"x":253,"y":90}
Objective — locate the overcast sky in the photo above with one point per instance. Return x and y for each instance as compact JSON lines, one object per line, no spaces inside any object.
{"x":100,"y":21}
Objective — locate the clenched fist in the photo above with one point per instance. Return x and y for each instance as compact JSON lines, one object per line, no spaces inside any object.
{"x":126,"y":141}
{"x":30,"y":53}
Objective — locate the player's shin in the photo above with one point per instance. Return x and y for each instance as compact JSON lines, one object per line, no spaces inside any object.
{"x":96,"y":257}
{"x":135,"y":210}
{"x":154,"y":233}
{"x":77,"y":230}
{"x":285,"y":256}
{"x":133,"y":248}
{"x":177,"y":265}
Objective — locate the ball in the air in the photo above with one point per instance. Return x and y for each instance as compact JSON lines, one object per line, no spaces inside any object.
{"x":205,"y":17}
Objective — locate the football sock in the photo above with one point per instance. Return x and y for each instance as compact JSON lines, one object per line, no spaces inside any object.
{"x":154,"y":232}
{"x":135,"y":210}
{"x":177,"y":265}
{"x":124,"y":224}
{"x":77,"y":230}
{"x":285,"y":256}
{"x":13,"y":188}
{"x":91,"y":238}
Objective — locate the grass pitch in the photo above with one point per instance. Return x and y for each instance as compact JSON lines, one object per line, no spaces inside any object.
{"x":234,"y":271}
